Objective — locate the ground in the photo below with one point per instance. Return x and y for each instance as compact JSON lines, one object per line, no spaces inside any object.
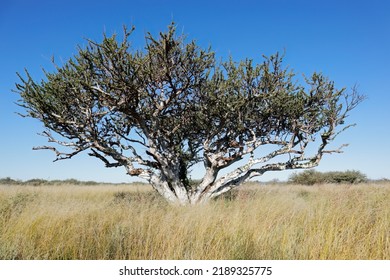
{"x":275,"y":221}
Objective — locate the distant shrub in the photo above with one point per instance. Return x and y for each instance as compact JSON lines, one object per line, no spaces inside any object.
{"x":35,"y":182}
{"x":77,"y":182}
{"x":381,"y":181}
{"x":307,"y":177}
{"x":41,"y":182}
{"x":349,"y":176}
{"x":311,"y":177}
{"x":9,"y":181}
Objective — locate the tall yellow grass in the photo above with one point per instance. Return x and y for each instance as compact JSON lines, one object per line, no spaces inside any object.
{"x":130,"y":222}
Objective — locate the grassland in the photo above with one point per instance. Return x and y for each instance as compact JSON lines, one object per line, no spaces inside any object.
{"x":130,"y":222}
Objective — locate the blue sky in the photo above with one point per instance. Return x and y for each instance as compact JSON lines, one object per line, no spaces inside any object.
{"x":349,"y":41}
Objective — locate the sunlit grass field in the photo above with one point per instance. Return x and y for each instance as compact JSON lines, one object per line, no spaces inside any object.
{"x":131,"y":222}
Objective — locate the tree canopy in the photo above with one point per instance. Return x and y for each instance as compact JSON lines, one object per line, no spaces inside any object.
{"x":159,"y":111}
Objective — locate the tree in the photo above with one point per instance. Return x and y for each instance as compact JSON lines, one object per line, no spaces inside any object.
{"x":159,"y":111}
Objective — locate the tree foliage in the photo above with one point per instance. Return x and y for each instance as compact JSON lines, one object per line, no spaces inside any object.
{"x":159,"y":111}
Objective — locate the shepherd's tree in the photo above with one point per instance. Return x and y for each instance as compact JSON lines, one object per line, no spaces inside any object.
{"x":161,"y":110}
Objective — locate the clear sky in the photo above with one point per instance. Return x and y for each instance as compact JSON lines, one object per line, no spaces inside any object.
{"x":349,"y":41}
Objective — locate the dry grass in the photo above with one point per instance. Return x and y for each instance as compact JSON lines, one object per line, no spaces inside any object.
{"x":271,"y":222}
